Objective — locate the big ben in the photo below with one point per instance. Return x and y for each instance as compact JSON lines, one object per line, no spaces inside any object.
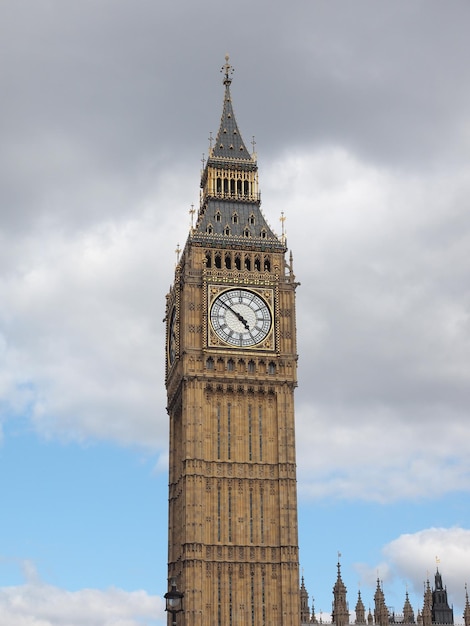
{"x":231,"y":371}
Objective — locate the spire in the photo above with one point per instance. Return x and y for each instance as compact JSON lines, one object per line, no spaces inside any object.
{"x":228,"y":143}
{"x":408,"y":613}
{"x":466,"y":612}
{"x":304,"y":608}
{"x":230,"y":201}
{"x":427,"y":605}
{"x":340,"y":613}
{"x":380,"y":612}
{"x":360,"y":610}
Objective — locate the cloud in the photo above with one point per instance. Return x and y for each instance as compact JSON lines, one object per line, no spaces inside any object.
{"x":383,"y":315}
{"x":367,"y":166}
{"x":411,"y":559}
{"x":81,"y":332}
{"x":36,"y":603}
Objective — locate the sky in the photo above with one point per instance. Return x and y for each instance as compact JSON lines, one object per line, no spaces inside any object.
{"x":361,"y":117}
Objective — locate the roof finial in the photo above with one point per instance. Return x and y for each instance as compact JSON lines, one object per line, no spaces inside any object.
{"x":282,"y":219}
{"x":228,"y":71}
{"x":192,"y":211}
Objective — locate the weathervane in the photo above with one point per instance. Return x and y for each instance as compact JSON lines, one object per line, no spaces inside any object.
{"x":228,"y":71}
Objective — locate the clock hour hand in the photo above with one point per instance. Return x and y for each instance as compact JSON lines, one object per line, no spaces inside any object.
{"x":238,"y":315}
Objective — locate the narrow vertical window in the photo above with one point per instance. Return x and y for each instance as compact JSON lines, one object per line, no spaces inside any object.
{"x":252,"y":599}
{"x":218,"y":513}
{"x":263,"y":599}
{"x":229,"y":430}
{"x":219,"y":600}
{"x":251,"y":515}
{"x":230,"y":515}
{"x":260,"y":426}
{"x":218,"y":431}
{"x":250,"y":434}
{"x":261,"y":514}
{"x":230,"y":598}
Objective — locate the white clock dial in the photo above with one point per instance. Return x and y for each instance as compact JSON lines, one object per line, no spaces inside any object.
{"x":240,"y":317}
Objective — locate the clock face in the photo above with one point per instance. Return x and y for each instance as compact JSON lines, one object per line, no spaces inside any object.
{"x":240,"y":317}
{"x":172,"y":337}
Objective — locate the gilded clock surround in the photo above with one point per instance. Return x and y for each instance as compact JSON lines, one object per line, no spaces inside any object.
{"x":264,"y":295}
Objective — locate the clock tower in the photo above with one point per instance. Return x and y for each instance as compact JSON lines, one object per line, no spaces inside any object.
{"x":231,"y":363}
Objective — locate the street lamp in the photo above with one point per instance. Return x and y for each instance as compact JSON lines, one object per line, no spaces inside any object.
{"x":174,"y":601}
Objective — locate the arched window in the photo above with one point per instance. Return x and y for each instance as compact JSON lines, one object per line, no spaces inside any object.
{"x":271,"y":367}
{"x":208,"y":259}
{"x":209,"y":229}
{"x":218,"y":183}
{"x":218,"y":261}
{"x":263,"y":233}
{"x":230,"y":365}
{"x":247,"y":263}
{"x":235,"y":218}
{"x":238,"y":263}
{"x":267,"y":264}
{"x":246,"y":188}
{"x":251,"y":366}
{"x":239,"y":187}
{"x":210,"y":363}
{"x":225,"y":185}
{"x":257,"y":264}
{"x":228,"y":260}
{"x":246,"y":232}
{"x":251,"y":219}
{"x":218,"y":217}
{"x":227,"y":230}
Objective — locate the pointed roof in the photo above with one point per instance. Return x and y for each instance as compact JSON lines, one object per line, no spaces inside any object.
{"x":229,"y":212}
{"x":229,"y":143}
{"x":339,"y":585}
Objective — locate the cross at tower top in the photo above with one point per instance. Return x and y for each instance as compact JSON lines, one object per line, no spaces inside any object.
{"x":228,"y":71}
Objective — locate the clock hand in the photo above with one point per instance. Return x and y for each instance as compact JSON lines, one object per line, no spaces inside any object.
{"x":238,"y":315}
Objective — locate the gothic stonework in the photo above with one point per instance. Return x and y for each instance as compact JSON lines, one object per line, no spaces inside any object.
{"x":231,"y":371}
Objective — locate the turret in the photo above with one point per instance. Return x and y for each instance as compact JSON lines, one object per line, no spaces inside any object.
{"x":441,"y":612}
{"x":466,"y":612}
{"x":380,"y":611}
{"x":427,"y":605}
{"x":360,"y":610}
{"x":340,"y":609}
{"x":304,"y":608}
{"x":408,"y":613}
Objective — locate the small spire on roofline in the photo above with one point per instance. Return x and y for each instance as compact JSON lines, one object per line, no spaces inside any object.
{"x":228,"y":71}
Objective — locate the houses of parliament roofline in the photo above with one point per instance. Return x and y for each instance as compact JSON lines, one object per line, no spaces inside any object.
{"x":435,"y":610}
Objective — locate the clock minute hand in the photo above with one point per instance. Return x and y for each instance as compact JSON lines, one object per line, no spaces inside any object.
{"x":238,"y":315}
